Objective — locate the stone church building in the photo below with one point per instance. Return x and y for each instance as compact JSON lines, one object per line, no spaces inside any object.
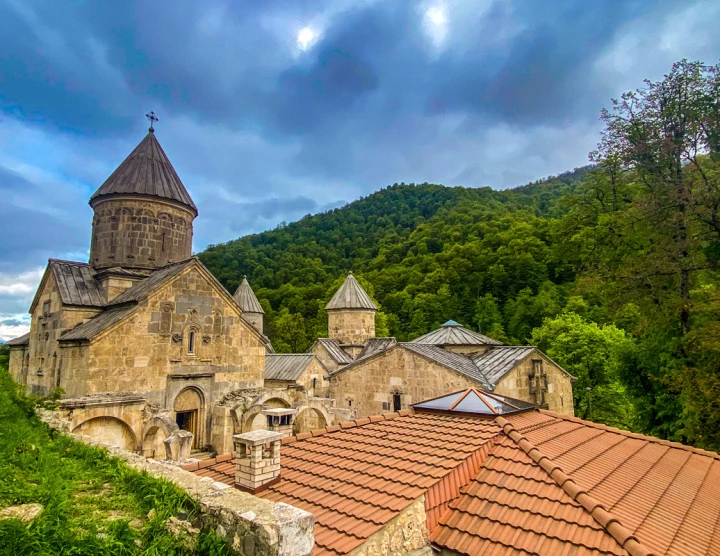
{"x":143,"y":341}
{"x":372,"y":375}
{"x":150,"y":352}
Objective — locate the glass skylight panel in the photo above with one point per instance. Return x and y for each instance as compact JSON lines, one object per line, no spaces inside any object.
{"x":473,"y":404}
{"x":441,"y":403}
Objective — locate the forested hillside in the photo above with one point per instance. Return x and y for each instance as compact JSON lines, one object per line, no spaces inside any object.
{"x":610,"y":269}
{"x":426,"y":252}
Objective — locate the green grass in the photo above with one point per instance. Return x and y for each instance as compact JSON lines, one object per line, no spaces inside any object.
{"x":94,"y":504}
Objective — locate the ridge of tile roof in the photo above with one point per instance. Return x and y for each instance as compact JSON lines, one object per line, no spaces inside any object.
{"x":246,"y":298}
{"x":454,"y":334}
{"x":146,"y":171}
{"x":610,"y":523}
{"x":350,"y":295}
{"x":511,"y":506}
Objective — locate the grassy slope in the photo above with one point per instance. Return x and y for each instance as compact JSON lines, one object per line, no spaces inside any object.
{"x":93,"y":504}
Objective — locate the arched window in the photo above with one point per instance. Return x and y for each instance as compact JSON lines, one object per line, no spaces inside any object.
{"x":191,"y":342}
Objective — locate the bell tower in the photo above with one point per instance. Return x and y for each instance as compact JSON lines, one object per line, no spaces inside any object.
{"x":143,"y":214}
{"x":351,"y":314}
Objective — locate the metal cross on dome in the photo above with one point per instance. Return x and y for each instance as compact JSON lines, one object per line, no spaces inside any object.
{"x":153,"y":118}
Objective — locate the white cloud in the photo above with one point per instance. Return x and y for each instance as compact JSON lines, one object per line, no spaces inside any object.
{"x":435,"y":22}
{"x":21,"y":285}
{"x":10,"y":331}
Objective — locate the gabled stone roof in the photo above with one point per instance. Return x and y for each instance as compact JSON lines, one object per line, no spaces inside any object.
{"x":20,"y":340}
{"x":75,"y":283}
{"x":500,"y":360}
{"x":455,"y":361}
{"x":245,"y":298}
{"x":453,"y":334}
{"x":375,"y":345}
{"x":97,"y":324}
{"x":332,"y":346}
{"x":350,"y":295}
{"x":141,"y":289}
{"x":146,"y":171}
{"x":286,"y":366}
{"x":125,"y":303}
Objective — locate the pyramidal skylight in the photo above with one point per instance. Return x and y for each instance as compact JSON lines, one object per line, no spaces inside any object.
{"x":474,"y":401}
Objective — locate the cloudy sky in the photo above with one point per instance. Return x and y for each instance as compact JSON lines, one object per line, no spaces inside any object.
{"x":272,"y":109}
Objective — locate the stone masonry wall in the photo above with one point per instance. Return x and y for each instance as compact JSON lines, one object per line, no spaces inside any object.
{"x":253,"y":526}
{"x":558,"y":397}
{"x":140,"y":353}
{"x":366,"y":386}
{"x":140,"y":233}
{"x":18,"y":363}
{"x":352,"y":326}
{"x":402,"y":535}
{"x":46,"y":363}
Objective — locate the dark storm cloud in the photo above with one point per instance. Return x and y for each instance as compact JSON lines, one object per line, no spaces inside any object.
{"x":34,"y":223}
{"x":262,"y":131}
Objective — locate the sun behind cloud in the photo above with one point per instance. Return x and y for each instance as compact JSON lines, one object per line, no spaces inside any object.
{"x":306,"y":38}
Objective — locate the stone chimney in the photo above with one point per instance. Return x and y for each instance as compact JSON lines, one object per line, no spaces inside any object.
{"x":257,"y":460}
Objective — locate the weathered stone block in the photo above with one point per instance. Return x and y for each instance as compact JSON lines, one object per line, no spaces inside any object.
{"x":178,"y":445}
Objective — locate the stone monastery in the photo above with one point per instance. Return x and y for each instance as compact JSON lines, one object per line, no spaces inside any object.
{"x":154,"y":355}
{"x":450,"y":444}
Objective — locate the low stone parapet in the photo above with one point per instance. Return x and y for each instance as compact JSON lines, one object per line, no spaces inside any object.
{"x":253,"y":526}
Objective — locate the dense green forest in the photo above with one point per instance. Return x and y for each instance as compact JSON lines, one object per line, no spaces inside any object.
{"x":612,"y":269}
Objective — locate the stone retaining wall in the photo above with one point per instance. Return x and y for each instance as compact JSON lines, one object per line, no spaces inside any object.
{"x":253,"y":526}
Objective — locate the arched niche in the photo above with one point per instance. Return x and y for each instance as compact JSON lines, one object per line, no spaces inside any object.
{"x":309,"y":419}
{"x":155,"y":431}
{"x":108,"y":429}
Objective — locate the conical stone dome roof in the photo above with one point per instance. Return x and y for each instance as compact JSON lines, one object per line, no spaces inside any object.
{"x":147,"y":171}
{"x":454,"y":334}
{"x":351,"y":295}
{"x":245,"y":298}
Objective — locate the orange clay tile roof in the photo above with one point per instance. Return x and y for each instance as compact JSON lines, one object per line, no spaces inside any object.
{"x":528,"y":483}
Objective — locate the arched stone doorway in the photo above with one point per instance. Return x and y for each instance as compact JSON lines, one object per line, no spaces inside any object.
{"x":309,"y":419}
{"x":108,"y":429}
{"x":189,"y":408}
